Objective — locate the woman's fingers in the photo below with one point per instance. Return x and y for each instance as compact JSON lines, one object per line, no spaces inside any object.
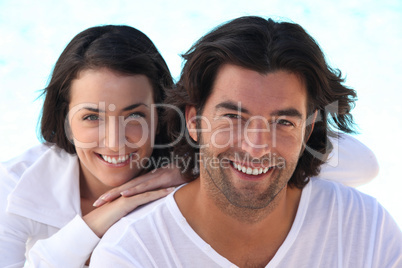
{"x":153,"y":182}
{"x":100,"y":202}
{"x":160,"y":178}
{"x":102,"y":218}
{"x":116,"y":192}
{"x":132,"y":202}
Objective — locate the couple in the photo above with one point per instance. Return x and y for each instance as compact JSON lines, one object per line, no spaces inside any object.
{"x":255,"y":96}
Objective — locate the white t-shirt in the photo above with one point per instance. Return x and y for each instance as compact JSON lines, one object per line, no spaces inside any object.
{"x":335,"y":226}
{"x":40,"y":213}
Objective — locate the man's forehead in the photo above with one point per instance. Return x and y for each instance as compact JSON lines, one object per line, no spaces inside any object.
{"x":254,"y":92}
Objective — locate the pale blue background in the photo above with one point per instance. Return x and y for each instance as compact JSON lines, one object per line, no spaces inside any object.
{"x":362,"y":38}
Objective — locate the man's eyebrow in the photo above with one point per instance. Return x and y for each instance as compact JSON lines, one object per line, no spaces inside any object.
{"x":229,"y":105}
{"x":287,"y":112}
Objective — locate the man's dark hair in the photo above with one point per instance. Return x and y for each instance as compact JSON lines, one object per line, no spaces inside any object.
{"x":120,"y":48}
{"x":264,"y":46}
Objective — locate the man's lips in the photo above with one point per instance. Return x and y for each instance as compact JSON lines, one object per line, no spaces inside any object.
{"x":251,"y":170}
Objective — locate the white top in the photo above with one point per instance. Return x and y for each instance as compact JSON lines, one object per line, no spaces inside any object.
{"x":40,"y":210}
{"x":335,"y":226}
{"x":350,"y":162}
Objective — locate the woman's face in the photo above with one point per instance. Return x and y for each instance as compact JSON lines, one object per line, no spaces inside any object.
{"x":112,"y":123}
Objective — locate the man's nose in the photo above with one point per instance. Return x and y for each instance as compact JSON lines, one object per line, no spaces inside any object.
{"x":257,"y":138}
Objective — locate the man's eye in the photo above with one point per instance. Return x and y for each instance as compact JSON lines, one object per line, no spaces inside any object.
{"x":284,"y":122}
{"x":232,"y":116}
{"x":91,"y":117}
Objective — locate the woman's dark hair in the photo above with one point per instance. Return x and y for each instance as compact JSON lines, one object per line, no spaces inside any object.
{"x":265,"y":46}
{"x":120,"y":48}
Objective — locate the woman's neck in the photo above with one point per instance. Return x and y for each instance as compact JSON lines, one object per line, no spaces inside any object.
{"x":90,"y":187}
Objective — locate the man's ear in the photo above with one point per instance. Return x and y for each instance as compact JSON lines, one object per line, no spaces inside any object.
{"x":312,"y":118}
{"x":191,"y":118}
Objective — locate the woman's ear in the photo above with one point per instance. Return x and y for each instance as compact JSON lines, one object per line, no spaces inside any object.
{"x":191,"y":118}
{"x":157,"y":128}
{"x":67,"y":129}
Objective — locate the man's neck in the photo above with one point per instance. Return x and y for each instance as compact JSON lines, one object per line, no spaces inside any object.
{"x":252,"y":239}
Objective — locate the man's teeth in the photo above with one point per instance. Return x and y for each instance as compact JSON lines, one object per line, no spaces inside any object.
{"x":114,"y":160}
{"x":249,"y":170}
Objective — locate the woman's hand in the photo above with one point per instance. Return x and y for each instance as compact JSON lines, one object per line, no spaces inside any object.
{"x":102,"y":218}
{"x":164,"y":177}
{"x":118,"y":202}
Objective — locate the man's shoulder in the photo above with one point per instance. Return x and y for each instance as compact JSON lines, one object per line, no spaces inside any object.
{"x":341,"y":199}
{"x":148,"y":210}
{"x":140,"y":217}
{"x":140,"y":226}
{"x":322,"y":187}
{"x":351,"y":220}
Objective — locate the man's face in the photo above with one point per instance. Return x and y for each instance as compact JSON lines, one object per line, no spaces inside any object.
{"x":251,"y":132}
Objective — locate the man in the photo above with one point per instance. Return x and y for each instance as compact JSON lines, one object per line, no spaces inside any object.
{"x":257,"y":97}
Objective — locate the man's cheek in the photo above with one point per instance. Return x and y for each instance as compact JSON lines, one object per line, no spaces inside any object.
{"x":222,"y":137}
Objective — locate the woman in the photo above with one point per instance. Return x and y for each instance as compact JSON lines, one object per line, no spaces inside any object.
{"x":99,"y":124}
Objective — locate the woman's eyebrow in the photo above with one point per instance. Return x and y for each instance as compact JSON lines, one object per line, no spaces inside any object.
{"x":133,"y":106}
{"x":92,"y":109}
{"x":128,"y":108}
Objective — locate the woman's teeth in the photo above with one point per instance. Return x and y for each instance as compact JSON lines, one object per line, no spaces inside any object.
{"x":114,"y":160}
{"x":249,"y":170}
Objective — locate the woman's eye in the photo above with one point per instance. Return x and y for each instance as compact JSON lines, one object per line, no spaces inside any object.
{"x":136,"y":115}
{"x":91,"y":117}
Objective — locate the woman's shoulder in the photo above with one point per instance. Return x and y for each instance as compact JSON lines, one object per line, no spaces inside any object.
{"x":16,"y":166}
{"x":12,"y":170}
{"x":351,"y":162}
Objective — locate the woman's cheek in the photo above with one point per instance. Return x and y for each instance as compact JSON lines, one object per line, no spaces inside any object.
{"x":86,"y":137}
{"x":139,"y":135}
